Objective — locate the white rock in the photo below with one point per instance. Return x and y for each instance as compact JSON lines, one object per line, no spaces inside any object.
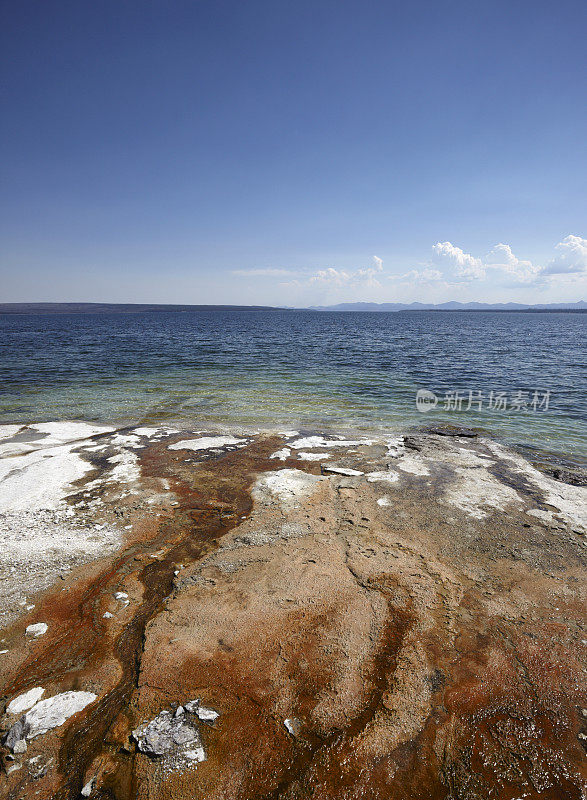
{"x":282,"y":454}
{"x":384,"y":501}
{"x":293,"y":726}
{"x":38,"y":629}
{"x":31,"y":481}
{"x":54,"y":711}
{"x":396,"y":447}
{"x":198,"y":754}
{"x":204,"y":443}
{"x":385,"y":477}
{"x":69,"y":431}
{"x":207,"y":714}
{"x":320,"y":441}
{"x":285,"y":485}
{"x":303,"y":456}
{"x":107,"y":615}
{"x":413,"y":465}
{"x":148,"y":432}
{"x":25,"y":701}
{"x":344,"y":471}
{"x":88,"y":788}
{"x":545,"y":516}
{"x":8,"y":431}
{"x":126,"y":468}
{"x":120,"y":596}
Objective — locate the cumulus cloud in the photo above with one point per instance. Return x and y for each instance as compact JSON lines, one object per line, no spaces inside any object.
{"x":367,"y":277}
{"x":449,"y":266}
{"x":501,"y":257}
{"x":459,"y":266}
{"x":331,"y":276}
{"x":464,"y":265}
{"x":571,"y":257}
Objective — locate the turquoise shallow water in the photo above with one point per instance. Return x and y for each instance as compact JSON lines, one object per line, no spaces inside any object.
{"x":343,"y":371}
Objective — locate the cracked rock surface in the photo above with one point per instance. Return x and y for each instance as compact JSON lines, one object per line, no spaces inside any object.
{"x":408,"y":627}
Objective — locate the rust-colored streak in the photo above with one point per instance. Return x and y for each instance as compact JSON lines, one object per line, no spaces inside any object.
{"x":213,"y":497}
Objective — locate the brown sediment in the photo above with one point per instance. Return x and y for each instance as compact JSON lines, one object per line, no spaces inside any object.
{"x":424,"y":652}
{"x":212,"y":499}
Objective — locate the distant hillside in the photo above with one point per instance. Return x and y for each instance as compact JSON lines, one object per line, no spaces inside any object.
{"x":115,"y":308}
{"x":453,"y":306}
{"x":142,"y":308}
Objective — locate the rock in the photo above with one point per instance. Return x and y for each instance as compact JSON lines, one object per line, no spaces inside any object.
{"x":293,"y":725}
{"x":88,"y":788}
{"x":20,"y":747}
{"x":205,"y":443}
{"x":107,"y":615}
{"x":204,"y":714}
{"x":25,"y":701}
{"x":452,"y":430}
{"x":120,"y":596}
{"x":13,"y":768}
{"x":16,"y":733}
{"x":343,"y":471}
{"x":198,"y":754}
{"x":282,"y":454}
{"x":38,"y":629}
{"x":318,"y":441}
{"x":54,"y":711}
{"x":303,"y":456}
{"x":167,"y":734}
{"x":207,"y":714}
{"x":39,"y":770}
{"x":287,"y":486}
{"x":574,"y":477}
{"x":386,"y":477}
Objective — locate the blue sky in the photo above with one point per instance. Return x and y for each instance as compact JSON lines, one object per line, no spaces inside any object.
{"x":266,"y":152}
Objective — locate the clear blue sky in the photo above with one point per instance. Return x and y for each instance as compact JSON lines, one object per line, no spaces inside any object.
{"x":247,"y":152}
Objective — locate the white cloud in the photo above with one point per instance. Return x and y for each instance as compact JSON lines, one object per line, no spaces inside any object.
{"x":501,"y":257}
{"x":464,"y":265}
{"x":571,"y":260}
{"x":426,"y":275}
{"x":571,"y":257}
{"x":331,"y":276}
{"x":366,"y":277}
{"x":450,"y":268}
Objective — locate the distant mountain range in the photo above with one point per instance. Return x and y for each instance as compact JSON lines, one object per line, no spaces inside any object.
{"x":116,"y":308}
{"x":142,"y":308}
{"x":453,"y":306}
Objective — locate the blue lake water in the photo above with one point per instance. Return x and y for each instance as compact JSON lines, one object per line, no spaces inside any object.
{"x":303,"y":369}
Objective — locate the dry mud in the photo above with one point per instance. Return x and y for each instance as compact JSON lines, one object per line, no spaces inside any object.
{"x":288,"y":616}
